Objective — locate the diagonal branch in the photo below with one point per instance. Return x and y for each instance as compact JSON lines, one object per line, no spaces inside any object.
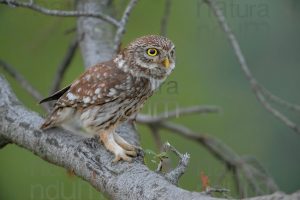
{"x":85,"y":157}
{"x":165,"y":19}
{"x":61,"y":13}
{"x":122,"y":25}
{"x":256,"y":88}
{"x":89,"y":160}
{"x":61,"y":69}
{"x":278,"y":100}
{"x":222,"y":152}
{"x":227,"y":155}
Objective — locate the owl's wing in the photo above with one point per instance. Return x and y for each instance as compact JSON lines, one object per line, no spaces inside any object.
{"x":56,"y":95}
{"x":98,"y":85}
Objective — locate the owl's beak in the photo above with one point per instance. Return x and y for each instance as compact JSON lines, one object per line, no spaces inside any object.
{"x":166,"y":63}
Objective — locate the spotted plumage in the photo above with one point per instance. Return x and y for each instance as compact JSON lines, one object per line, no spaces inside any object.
{"x":111,"y":92}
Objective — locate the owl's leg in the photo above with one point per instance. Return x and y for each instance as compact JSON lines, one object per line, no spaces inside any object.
{"x":123,"y":143}
{"x":107,"y":137}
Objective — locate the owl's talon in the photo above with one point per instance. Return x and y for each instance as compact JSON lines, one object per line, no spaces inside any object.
{"x":122,"y":157}
{"x":131,"y":153}
{"x":111,"y":144}
{"x":123,"y":143}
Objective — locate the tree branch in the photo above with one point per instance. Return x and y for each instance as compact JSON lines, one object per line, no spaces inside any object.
{"x":165,"y":18}
{"x":174,"y":175}
{"x":157,"y":139}
{"x":278,"y":100}
{"x":233,"y":161}
{"x":61,"y":13}
{"x":85,"y":157}
{"x":90,"y":160}
{"x":97,"y":36}
{"x":121,"y":30}
{"x":256,"y":88}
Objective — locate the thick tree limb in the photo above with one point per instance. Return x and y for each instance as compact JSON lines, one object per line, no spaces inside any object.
{"x":97,"y":36}
{"x":86,"y":157}
{"x":61,"y":13}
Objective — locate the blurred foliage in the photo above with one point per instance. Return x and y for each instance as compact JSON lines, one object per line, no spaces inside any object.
{"x":207,"y":73}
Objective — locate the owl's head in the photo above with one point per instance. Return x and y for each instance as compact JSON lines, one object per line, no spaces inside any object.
{"x":150,"y":56}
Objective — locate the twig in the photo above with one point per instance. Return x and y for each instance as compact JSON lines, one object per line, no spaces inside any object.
{"x":210,"y":191}
{"x":174,"y":175}
{"x":89,"y":160}
{"x":256,"y":88}
{"x":238,"y":182}
{"x":219,"y":150}
{"x":249,"y":173}
{"x":61,"y":13}
{"x":156,"y":137}
{"x":278,"y":100}
{"x":23,"y":82}
{"x":65,"y":63}
{"x":179,"y":112}
{"x":159,"y":166}
{"x":165,"y":18}
{"x":122,"y":24}
{"x":277,"y":113}
{"x":224,"y":153}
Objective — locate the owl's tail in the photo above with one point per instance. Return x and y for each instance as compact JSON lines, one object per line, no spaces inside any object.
{"x":57,"y":117}
{"x":50,"y":121}
{"x":46,"y":125}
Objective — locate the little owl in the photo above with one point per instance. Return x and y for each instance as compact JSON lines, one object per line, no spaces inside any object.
{"x":111,"y":92}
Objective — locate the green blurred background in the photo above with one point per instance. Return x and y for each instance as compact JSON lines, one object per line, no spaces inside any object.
{"x":207,"y":73}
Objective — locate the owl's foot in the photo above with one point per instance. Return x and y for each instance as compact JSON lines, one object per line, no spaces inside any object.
{"x":123,"y":143}
{"x":121,"y":152}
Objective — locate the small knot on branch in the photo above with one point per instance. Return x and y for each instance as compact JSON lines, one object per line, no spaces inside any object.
{"x":174,"y":174}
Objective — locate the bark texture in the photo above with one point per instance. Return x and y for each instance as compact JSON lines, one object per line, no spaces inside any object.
{"x":85,"y":156}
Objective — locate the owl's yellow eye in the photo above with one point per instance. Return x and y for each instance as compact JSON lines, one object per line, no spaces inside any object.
{"x":152,"y":52}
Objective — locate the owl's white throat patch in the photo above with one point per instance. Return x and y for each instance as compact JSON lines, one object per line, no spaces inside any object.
{"x":155,"y":83}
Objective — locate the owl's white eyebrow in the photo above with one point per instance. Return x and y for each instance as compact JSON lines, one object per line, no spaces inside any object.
{"x":153,"y":46}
